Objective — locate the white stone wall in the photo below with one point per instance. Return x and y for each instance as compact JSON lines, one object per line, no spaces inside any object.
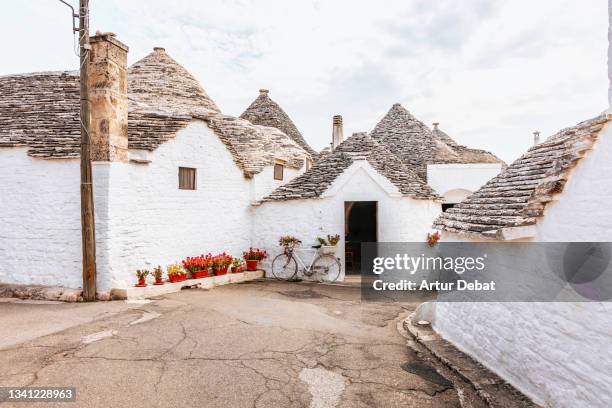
{"x":40,"y":224}
{"x":457,"y":181}
{"x":151,"y":221}
{"x":399,"y":218}
{"x":558,"y":353}
{"x":142,"y":218}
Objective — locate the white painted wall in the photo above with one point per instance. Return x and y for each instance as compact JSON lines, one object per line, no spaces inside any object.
{"x":558,"y":353}
{"x":142,"y":218}
{"x":457,"y":181}
{"x":399,"y":218}
{"x":40,"y":224}
{"x":151,"y":221}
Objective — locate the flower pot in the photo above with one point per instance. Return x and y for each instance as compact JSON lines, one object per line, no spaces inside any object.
{"x":141,"y":283}
{"x":158,"y":282}
{"x":199,"y":274}
{"x":251,"y":265}
{"x":220,"y":271}
{"x":177,"y":278}
{"x":237,"y":270}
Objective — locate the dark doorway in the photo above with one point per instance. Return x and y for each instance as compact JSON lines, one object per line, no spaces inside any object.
{"x":360,"y":225}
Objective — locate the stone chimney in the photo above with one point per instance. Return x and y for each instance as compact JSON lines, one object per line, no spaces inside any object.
{"x":337,"y":132}
{"x":435,"y":125}
{"x":536,"y":137}
{"x":108,"y":95}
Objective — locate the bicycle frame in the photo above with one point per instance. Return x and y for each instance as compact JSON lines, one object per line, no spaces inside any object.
{"x":306,"y":269}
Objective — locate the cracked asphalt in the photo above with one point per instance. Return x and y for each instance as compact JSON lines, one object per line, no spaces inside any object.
{"x":259,"y":344}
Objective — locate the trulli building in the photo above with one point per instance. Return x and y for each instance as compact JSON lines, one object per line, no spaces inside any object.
{"x":557,"y":353}
{"x":452,"y":170}
{"x":383,"y":187}
{"x":173,"y":176}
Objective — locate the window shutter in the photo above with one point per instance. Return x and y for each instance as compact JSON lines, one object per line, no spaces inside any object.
{"x":278,"y":171}
{"x":187,"y":178}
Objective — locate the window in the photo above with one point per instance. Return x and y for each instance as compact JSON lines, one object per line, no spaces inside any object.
{"x":308,"y":164}
{"x":278,"y":171}
{"x":446,"y":206}
{"x":187,"y":178}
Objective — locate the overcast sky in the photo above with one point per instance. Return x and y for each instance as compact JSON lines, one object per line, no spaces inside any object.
{"x":491,"y":72}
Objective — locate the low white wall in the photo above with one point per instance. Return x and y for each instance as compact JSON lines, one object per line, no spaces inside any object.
{"x":399,"y":218}
{"x":558,"y":353}
{"x":444,"y":178}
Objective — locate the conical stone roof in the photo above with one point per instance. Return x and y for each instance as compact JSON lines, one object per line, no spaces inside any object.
{"x":159,"y":83}
{"x":518,"y":196}
{"x":417,"y":145}
{"x":265,"y":112}
{"x":360,"y":146}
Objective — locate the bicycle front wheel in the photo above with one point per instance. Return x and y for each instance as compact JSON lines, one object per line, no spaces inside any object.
{"x":284,"y":267}
{"x":327,"y":268}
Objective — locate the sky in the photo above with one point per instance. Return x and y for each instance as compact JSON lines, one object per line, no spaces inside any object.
{"x":491,"y":72}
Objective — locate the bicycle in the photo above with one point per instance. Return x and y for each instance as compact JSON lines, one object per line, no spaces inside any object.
{"x":323,"y":264}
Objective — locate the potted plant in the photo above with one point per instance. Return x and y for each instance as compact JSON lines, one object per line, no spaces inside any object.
{"x":197,"y":266}
{"x":158,"y":275}
{"x":433,"y":238}
{"x":238,"y":265}
{"x":333,"y":239}
{"x":176,"y":273}
{"x":321,"y":241}
{"x":141,"y":275}
{"x":289,"y":242}
{"x":220,"y":263}
{"x":253,"y":256}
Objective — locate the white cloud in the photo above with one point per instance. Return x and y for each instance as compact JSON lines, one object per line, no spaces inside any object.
{"x":490,"y":71}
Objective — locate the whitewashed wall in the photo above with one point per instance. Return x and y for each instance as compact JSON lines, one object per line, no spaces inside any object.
{"x":558,"y":353}
{"x":152,"y":222}
{"x":399,"y":218}
{"x":142,"y":218}
{"x":450,"y":179}
{"x":40,"y":224}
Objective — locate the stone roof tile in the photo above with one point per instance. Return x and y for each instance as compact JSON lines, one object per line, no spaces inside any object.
{"x":41,"y":111}
{"x":265,"y":112}
{"x":518,"y":196}
{"x":360,"y":146}
{"x":417,"y":146}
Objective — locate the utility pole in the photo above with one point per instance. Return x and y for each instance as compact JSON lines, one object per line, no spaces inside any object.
{"x":87,"y":203}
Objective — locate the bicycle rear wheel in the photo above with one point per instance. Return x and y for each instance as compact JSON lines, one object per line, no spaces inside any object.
{"x":327,"y":268}
{"x":284,"y":267}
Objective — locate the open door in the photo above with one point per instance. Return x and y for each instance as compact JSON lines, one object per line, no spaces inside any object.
{"x":360,"y":225}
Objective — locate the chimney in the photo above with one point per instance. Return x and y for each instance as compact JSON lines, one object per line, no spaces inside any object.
{"x":536,"y":137}
{"x":108,"y":95}
{"x":337,"y":132}
{"x":435,"y":125}
{"x":263,"y":92}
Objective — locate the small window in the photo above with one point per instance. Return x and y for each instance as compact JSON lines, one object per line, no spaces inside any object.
{"x":187,"y":178}
{"x":308,"y":164}
{"x":278,"y":171}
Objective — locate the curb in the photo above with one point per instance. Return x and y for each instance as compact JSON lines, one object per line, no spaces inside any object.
{"x":491,"y":388}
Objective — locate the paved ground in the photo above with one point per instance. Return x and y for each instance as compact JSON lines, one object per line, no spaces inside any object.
{"x":260,"y":344}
